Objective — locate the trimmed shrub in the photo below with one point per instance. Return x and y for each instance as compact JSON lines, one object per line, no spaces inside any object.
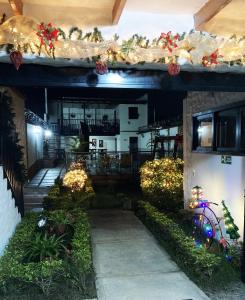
{"x":196,"y":261}
{"x":161,"y":181}
{"x":15,"y":269}
{"x":60,"y":197}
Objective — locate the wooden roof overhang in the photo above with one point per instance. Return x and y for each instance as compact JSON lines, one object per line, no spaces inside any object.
{"x":33,"y":75}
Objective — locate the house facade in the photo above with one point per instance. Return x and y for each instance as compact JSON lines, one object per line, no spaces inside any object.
{"x":214,"y":143}
{"x":108,"y":127}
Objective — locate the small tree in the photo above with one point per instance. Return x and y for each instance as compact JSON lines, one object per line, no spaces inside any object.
{"x":162,"y":183}
{"x":230,"y":226}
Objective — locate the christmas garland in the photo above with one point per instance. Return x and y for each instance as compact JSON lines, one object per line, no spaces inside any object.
{"x":174,"y":50}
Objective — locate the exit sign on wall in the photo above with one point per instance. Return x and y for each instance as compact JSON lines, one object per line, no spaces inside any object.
{"x":226,"y":159}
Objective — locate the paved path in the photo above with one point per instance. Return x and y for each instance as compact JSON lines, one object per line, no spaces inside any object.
{"x":130,"y":265}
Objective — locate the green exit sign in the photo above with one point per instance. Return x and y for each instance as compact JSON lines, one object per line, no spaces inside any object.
{"x":226,"y":159}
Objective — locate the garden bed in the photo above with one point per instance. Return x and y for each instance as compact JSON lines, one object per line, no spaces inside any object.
{"x":54,"y":259}
{"x":210,"y":271}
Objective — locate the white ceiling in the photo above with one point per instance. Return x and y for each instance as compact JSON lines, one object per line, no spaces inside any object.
{"x":153,"y":6}
{"x":90,"y":13}
{"x":166,"y":6}
{"x":147,"y":17}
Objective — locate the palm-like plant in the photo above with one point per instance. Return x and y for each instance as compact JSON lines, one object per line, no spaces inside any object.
{"x":44,"y":247}
{"x":78,"y":144}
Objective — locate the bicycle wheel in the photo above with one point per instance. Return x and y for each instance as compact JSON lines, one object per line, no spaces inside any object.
{"x":203,"y":231}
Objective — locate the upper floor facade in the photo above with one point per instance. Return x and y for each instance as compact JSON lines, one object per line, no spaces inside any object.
{"x":75,"y":118}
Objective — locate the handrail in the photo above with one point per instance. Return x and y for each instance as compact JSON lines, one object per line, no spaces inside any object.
{"x":103,"y":161}
{"x":93,"y":126}
{"x":7,"y":162}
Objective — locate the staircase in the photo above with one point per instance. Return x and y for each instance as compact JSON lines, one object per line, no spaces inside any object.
{"x":33,"y":197}
{"x":51,"y":155}
{"x":38,"y":187}
{"x":9,"y":215}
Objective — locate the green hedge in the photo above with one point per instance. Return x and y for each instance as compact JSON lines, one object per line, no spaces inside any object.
{"x":14,"y":271}
{"x":194,"y":261}
{"x":60,"y":197}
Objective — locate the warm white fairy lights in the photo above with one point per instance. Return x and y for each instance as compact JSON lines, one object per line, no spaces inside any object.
{"x":194,"y":48}
{"x":75,"y":180}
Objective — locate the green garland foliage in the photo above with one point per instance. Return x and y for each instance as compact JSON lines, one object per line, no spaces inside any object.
{"x":10,"y":136}
{"x":77,"y":31}
{"x":62,"y":33}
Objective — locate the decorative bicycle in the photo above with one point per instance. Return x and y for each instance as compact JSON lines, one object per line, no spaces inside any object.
{"x":206,"y":224}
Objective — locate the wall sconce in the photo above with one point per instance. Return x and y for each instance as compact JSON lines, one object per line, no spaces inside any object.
{"x":47,"y":133}
{"x":37,"y":129}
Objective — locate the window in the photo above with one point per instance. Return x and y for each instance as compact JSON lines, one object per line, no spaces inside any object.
{"x":243,"y":128}
{"x":220,"y":130}
{"x":133,"y":113}
{"x":226,"y":128}
{"x":205,"y":131}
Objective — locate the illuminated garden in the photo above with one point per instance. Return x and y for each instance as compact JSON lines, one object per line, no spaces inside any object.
{"x":55,"y":244}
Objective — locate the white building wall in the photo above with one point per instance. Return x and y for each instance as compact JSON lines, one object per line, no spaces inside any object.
{"x":127,"y":124}
{"x":109,"y":143}
{"x":129,"y":127}
{"x":219,"y":181}
{"x":35,"y":137}
{"x":9,"y":216}
{"x":145,"y":141}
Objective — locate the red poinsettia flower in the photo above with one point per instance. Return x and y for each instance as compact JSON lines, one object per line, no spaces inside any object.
{"x":47,"y":34}
{"x":212,"y":59}
{"x":169,"y":41}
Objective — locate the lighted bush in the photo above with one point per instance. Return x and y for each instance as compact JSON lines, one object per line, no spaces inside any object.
{"x":72,"y":195}
{"x":161,"y":181}
{"x":75,"y":179}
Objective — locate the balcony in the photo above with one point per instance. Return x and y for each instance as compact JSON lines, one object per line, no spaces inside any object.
{"x":89,"y":126}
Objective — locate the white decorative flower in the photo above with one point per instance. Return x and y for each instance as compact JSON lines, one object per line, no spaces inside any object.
{"x":41,"y":223}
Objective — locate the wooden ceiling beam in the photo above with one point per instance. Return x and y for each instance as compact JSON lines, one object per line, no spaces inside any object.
{"x":117,"y":10}
{"x":208,"y":11}
{"x":17,"y":7}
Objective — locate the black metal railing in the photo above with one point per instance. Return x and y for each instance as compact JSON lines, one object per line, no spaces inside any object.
{"x":90,"y":126}
{"x":7,"y":161}
{"x":109,"y":162}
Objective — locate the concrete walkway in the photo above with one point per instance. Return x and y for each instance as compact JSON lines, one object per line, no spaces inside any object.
{"x":130,"y":265}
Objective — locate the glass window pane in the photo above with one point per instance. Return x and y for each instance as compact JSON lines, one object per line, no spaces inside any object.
{"x":205,"y":132}
{"x":133,"y":113}
{"x":243,"y":129}
{"x":226,"y":129}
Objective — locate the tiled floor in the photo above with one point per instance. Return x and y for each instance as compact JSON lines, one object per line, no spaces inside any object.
{"x":46,"y":177}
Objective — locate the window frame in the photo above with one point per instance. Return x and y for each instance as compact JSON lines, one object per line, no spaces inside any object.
{"x":239,"y":149}
{"x":130,"y":114}
{"x":196,"y":121}
{"x":242,"y":147}
{"x":236,"y":146}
